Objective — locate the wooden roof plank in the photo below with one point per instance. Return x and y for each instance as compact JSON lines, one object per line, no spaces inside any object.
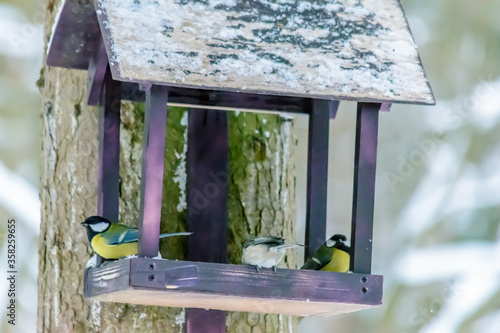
{"x":361,"y":50}
{"x":324,"y":49}
{"x":75,"y":35}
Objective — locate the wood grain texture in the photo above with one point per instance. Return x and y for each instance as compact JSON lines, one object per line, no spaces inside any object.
{"x":321,"y":48}
{"x":232,"y":287}
{"x":232,"y":303}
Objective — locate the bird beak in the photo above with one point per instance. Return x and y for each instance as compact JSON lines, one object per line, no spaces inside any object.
{"x":84,"y":224}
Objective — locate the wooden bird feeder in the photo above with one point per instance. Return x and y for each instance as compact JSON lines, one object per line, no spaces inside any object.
{"x":251,"y":55}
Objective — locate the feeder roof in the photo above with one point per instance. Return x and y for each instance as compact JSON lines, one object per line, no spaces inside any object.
{"x":338,"y":50}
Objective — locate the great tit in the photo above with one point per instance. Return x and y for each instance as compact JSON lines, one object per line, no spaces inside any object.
{"x":332,"y":256}
{"x":114,"y":240}
{"x":265,"y":252}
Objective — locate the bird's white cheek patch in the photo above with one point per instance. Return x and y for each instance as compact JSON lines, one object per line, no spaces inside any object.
{"x":99,"y":227}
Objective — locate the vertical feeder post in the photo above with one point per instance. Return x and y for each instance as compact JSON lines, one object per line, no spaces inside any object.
{"x":109,"y":150}
{"x":155,"y":128}
{"x":96,"y":74}
{"x":317,"y":173}
{"x":365,"y":160}
{"x":207,"y":191}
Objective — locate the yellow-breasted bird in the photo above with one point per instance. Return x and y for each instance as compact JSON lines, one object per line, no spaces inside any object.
{"x":114,"y":240}
{"x":332,"y":256}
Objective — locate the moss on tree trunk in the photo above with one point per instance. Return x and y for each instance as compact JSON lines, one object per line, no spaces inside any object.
{"x":261,"y":202}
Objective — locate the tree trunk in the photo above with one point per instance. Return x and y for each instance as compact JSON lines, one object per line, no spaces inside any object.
{"x":261,"y":202}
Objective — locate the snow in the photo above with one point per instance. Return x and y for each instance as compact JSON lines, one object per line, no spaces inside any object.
{"x":180,"y":319}
{"x":56,"y":21}
{"x":303,"y":6}
{"x":215,"y":3}
{"x":95,"y":314}
{"x":180,"y":176}
{"x":328,"y":49}
{"x":333,"y":7}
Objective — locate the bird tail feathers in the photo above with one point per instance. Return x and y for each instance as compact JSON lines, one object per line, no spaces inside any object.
{"x":175,"y":234}
{"x":288,"y":246}
{"x":311,"y":264}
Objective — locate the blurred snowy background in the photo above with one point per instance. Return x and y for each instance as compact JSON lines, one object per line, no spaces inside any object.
{"x":21,"y":48}
{"x":437,"y":236}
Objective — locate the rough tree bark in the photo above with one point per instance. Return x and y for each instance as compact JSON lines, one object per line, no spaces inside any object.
{"x":261,"y":202}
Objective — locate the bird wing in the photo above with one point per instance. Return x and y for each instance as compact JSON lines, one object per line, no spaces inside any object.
{"x":311,"y":264}
{"x":271,"y":241}
{"x":119,"y":234}
{"x":319,"y":259}
{"x":286,"y":246}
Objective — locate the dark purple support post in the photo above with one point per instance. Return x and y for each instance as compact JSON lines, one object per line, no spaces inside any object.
{"x":206,"y":321}
{"x":109,"y":150}
{"x":207,"y":190}
{"x":98,"y":66}
{"x":365,"y":160}
{"x":334,"y":107}
{"x":155,"y":128}
{"x":317,"y":173}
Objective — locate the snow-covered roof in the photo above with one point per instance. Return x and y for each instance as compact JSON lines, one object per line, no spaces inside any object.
{"x":330,"y":49}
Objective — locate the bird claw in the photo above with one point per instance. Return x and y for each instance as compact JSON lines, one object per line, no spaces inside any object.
{"x":274,"y":269}
{"x":257,"y":267}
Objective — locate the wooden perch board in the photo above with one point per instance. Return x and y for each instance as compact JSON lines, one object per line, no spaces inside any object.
{"x":359,"y":50}
{"x":231,"y":287}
